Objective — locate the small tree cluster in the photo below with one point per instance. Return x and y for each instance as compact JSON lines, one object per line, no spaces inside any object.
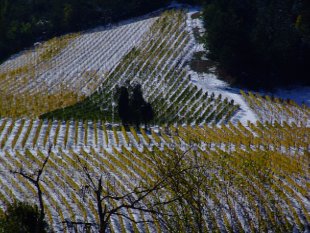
{"x":132,"y":108}
{"x":22,"y":217}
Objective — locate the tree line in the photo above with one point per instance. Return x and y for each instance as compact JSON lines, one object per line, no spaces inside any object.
{"x":260,"y":43}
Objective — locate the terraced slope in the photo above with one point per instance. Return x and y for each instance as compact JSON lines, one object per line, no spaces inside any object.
{"x":158,"y":64}
{"x":257,"y":177}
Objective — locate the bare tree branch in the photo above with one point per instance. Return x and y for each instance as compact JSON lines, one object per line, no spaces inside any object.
{"x":133,"y":220}
{"x":134,"y":199}
{"x":36,"y":182}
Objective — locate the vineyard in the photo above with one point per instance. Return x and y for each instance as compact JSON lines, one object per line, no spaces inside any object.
{"x":276,"y":109}
{"x":256,"y":177}
{"x":158,"y":65}
{"x":214,"y":159}
{"x":64,"y":70}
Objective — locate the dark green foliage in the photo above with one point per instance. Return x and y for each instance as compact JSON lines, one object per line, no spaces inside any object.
{"x":136,"y":104}
{"x":132,"y":108}
{"x":261,"y":43}
{"x":24,"y":22}
{"x":22,"y":218}
{"x":147,"y":113}
{"x":124,"y":106}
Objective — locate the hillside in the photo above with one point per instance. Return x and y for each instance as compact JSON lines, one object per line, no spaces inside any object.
{"x":159,"y":65}
{"x":63,"y":70}
{"x":78,"y":74}
{"x":215,"y":158}
{"x":253,"y":182}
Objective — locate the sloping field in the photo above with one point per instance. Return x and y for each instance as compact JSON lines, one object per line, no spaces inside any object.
{"x":85,"y":68}
{"x":248,"y":154}
{"x":246,"y":181}
{"x":63,"y":70}
{"x":158,"y":64}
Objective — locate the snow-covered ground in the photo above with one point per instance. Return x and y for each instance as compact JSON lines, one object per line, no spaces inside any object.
{"x":125,"y":165}
{"x":92,"y":56}
{"x":212,"y":83}
{"x":82,"y":65}
{"x":126,"y":157}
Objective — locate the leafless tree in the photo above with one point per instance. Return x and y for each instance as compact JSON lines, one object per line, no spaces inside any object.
{"x":35,"y":179}
{"x":139,"y":199}
{"x":189,"y":184}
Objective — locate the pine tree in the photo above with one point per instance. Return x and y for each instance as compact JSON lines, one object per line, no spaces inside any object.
{"x":147,"y":113}
{"x":22,"y":217}
{"x":136,"y":104}
{"x":124,"y":109}
{"x":132,"y":108}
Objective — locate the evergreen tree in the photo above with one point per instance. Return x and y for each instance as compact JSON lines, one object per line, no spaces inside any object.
{"x":22,"y":218}
{"x":136,"y":105}
{"x":132,"y":107}
{"x":124,"y":109}
{"x":147,"y":113}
